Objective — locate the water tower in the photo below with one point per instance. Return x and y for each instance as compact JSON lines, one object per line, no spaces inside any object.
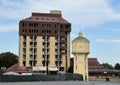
{"x":80,"y":51}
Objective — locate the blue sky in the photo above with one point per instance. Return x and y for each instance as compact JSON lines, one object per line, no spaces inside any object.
{"x":99,"y":20}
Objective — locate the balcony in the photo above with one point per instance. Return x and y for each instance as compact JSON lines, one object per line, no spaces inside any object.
{"x":63,"y":47}
{"x":63,"y":41}
{"x":63,"y":52}
{"x":24,"y":59}
{"x":45,"y":60}
{"x":24,"y":51}
{"x":45,"y":53}
{"x":33,"y":59}
{"x":58,"y":59}
{"x":33,"y":46}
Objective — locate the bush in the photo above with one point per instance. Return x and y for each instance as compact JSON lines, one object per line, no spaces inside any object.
{"x":62,"y":77}
{"x":1,"y":71}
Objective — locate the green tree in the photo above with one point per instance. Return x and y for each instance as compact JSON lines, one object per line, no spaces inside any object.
{"x":117,"y":66}
{"x":108,"y":66}
{"x":7,"y":59}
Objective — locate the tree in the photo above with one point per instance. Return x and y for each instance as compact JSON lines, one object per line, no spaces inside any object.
{"x":7,"y":59}
{"x":117,"y":66}
{"x":108,"y":66}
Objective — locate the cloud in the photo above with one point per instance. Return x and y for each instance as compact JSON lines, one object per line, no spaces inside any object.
{"x":82,"y":13}
{"x":11,"y":9}
{"x":8,"y":28}
{"x":108,"y":40}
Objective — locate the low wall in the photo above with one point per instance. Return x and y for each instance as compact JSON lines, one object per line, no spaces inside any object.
{"x":103,"y":78}
{"x":20,"y":78}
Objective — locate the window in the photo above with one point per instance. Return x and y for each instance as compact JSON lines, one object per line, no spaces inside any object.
{"x":48,"y":44}
{"x":33,"y":30}
{"x":30,"y":30}
{"x":24,"y":30}
{"x":61,"y":68}
{"x":24,"y":39}
{"x":46,"y":25}
{"x":56,"y":25}
{"x":37,"y":30}
{"x":31,"y":50}
{"x":24,"y":50}
{"x":43,"y":62}
{"x":37,"y":18}
{"x":43,"y":37}
{"x":24,"y":24}
{"x":48,"y":50}
{"x":31,"y":43}
{"x":43,"y":50}
{"x":35,"y":56}
{"x":24,"y":57}
{"x":56,"y":31}
{"x":61,"y":25}
{"x":56,"y":44}
{"x":56,"y":50}
{"x":30,"y":63}
{"x":34,"y":63}
{"x":42,"y":18}
{"x":56,"y":63}
{"x":24,"y":63}
{"x":48,"y":57}
{"x":43,"y":43}
{"x":31,"y":24}
{"x":35,"y":44}
{"x":46,"y":31}
{"x":56,"y":56}
{"x":35,"y":50}
{"x":67,"y":26}
{"x":35,"y":38}
{"x":24,"y":44}
{"x":35,"y":24}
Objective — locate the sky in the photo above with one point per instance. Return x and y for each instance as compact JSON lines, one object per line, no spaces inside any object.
{"x":99,"y":21}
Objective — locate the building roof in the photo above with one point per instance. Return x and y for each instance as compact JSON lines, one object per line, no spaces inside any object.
{"x":16,"y":68}
{"x":95,"y":67}
{"x":103,"y":71}
{"x":80,"y":38}
{"x":94,"y":64}
{"x":46,"y":17}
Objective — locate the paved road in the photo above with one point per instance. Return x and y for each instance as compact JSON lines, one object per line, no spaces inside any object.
{"x":62,"y":83}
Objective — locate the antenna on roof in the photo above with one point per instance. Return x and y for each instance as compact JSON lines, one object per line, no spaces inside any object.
{"x":80,"y":32}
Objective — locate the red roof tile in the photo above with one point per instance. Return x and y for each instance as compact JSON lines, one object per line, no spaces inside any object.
{"x":16,"y":68}
{"x":46,"y":17}
{"x":94,"y":64}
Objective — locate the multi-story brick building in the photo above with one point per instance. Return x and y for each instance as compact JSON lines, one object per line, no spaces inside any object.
{"x":44,"y":41}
